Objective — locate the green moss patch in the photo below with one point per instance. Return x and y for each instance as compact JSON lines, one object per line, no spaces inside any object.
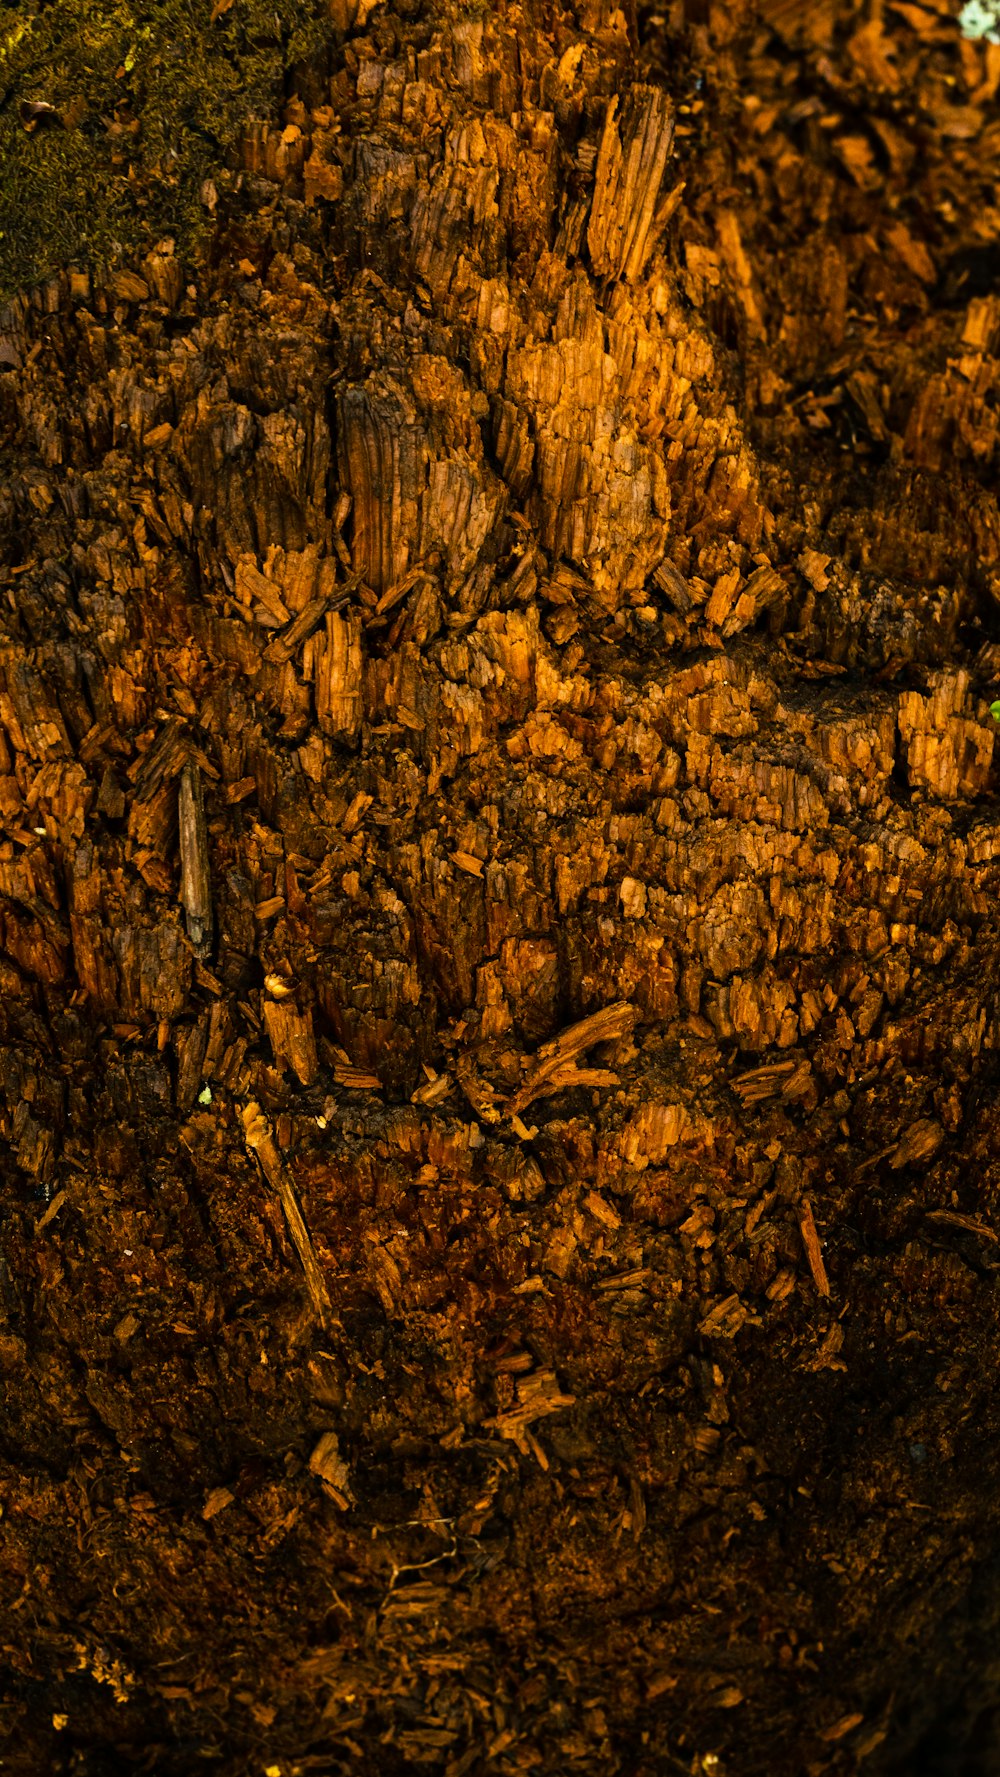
{"x":112,"y":116}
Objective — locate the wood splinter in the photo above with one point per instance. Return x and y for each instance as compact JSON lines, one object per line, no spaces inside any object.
{"x":555,"y":1064}
{"x":813,"y":1250}
{"x":260,"y":1141}
{"x":196,"y":887}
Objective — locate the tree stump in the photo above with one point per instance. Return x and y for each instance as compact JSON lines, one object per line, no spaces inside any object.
{"x":498,"y":920}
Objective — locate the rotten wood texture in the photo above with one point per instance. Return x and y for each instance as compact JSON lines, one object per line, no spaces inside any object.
{"x":494,"y":677}
{"x":260,"y":1141}
{"x":196,"y":886}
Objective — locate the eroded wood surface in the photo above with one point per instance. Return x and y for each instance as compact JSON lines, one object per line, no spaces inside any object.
{"x":494,"y":681}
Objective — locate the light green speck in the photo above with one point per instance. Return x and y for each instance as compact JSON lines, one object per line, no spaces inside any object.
{"x":980,"y":19}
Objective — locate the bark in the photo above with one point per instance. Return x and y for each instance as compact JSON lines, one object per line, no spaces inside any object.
{"x":498,"y":934}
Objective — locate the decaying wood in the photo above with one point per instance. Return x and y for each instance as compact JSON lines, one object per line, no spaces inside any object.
{"x":261,"y":1142}
{"x":495,"y":667}
{"x":292,"y":1040}
{"x":556,"y":1069}
{"x":196,"y":886}
{"x":813,"y":1249}
{"x":329,"y":1465}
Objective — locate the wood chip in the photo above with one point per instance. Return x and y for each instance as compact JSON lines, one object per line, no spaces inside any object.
{"x":327,"y":1462}
{"x":556,"y":1061}
{"x":196,"y":887}
{"x":602,"y":1210}
{"x":253,"y":586}
{"x":813,"y":1250}
{"x":52,"y":1211}
{"x":357,"y":1079}
{"x":302,"y":626}
{"x":919,"y":1144}
{"x":267,"y":909}
{"x":725,"y":1319}
{"x":217,"y":1501}
{"x":844,"y":1726}
{"x":952,"y":1219}
{"x":261,"y":1142}
{"x":467,"y":862}
{"x":241,"y":789}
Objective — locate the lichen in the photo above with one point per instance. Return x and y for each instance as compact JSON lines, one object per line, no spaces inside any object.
{"x":980,"y":19}
{"x":112,"y":118}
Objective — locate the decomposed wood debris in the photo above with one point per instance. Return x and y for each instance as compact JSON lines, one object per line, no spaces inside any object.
{"x":498,"y":624}
{"x":356,"y":1079}
{"x":329,"y":1465}
{"x":217,"y":1501}
{"x":259,"y":1139}
{"x":946,"y":1217}
{"x":780,"y":1079}
{"x":918,"y":1145}
{"x":537,"y":1396}
{"x":309,"y":619}
{"x":845,"y":1725}
{"x":624,"y":1280}
{"x":196,"y":888}
{"x":813,"y":1250}
{"x":826,"y":1357}
{"x":435,"y":1088}
{"x":556,"y":1061}
{"x":53,"y":1210}
{"x":465,"y":861}
{"x":724,"y":1319}
{"x":266,"y":910}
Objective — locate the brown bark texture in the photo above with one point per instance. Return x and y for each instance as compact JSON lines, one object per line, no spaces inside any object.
{"x":498,"y":932}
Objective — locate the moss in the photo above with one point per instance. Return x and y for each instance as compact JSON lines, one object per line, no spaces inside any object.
{"x":112,"y":116}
